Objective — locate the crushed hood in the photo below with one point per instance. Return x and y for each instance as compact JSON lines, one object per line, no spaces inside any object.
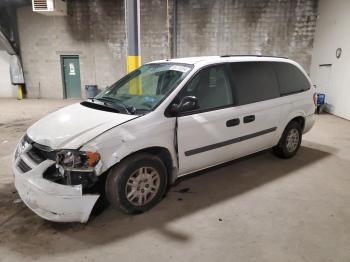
{"x":73,"y":126}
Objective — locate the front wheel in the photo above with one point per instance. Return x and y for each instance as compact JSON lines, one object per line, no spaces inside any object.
{"x":290,"y":141}
{"x":137,"y":183}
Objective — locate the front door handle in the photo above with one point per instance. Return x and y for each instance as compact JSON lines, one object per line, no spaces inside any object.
{"x":248,"y":119}
{"x":232,"y":122}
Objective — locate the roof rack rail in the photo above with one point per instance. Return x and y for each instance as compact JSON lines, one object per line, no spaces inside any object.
{"x":256,"y":56}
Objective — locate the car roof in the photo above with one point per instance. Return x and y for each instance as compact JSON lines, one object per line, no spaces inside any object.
{"x":223,"y":58}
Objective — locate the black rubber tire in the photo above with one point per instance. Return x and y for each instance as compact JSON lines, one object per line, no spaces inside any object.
{"x":280,"y":149}
{"x":119,"y":175}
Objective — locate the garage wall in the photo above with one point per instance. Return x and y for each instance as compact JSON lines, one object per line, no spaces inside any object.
{"x":154,"y":30}
{"x":95,"y":30}
{"x":6,"y":88}
{"x":330,"y":74}
{"x":268,"y":27}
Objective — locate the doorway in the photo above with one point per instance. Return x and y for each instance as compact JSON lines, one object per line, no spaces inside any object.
{"x":71,"y":76}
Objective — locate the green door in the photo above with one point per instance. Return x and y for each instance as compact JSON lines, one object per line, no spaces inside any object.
{"x":71,"y":76}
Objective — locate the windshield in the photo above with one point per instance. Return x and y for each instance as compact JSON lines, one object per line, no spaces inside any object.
{"x":144,"y":88}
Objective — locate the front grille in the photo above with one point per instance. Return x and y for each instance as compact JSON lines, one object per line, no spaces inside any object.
{"x":33,"y":155}
{"x":39,"y":153}
{"x":36,"y":153}
{"x":23,"y":166}
{"x":42,"y":147}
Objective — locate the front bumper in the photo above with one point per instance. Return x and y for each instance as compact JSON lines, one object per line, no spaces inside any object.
{"x":49,"y":200}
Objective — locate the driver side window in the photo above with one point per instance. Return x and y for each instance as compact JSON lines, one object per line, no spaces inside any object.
{"x":211,"y":86}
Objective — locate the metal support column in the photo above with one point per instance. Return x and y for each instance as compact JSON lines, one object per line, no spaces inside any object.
{"x":174,"y":46}
{"x":132,"y":14}
{"x":133,"y":34}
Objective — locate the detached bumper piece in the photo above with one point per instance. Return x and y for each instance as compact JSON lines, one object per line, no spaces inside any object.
{"x":48,"y":199}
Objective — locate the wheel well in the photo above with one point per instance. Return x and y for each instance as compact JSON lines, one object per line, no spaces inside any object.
{"x":300,"y":120}
{"x":164,"y":155}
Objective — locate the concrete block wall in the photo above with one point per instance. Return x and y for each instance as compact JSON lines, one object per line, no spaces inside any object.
{"x":95,"y":30}
{"x":154,"y":30}
{"x":267,"y":27}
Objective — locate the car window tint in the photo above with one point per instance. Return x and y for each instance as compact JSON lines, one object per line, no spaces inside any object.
{"x":212,"y":88}
{"x":254,"y":82}
{"x":290,"y":78}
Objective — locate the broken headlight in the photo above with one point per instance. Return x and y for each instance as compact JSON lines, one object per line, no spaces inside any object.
{"x":74,"y":159}
{"x":22,"y":145}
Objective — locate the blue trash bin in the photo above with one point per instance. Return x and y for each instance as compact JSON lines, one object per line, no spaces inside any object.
{"x":320,"y":98}
{"x":320,"y":103}
{"x":91,"y":91}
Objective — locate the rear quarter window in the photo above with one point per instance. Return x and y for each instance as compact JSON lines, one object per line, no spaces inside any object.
{"x":291,"y":80}
{"x":254,"y":82}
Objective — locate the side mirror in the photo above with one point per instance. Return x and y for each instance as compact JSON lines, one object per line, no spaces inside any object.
{"x":188,"y":103}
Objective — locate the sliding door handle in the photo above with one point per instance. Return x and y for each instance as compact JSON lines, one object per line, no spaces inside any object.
{"x":248,"y":119}
{"x":233,"y":122}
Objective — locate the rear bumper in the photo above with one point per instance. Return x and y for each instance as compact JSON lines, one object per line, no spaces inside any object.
{"x":49,"y":200}
{"x":309,"y":123}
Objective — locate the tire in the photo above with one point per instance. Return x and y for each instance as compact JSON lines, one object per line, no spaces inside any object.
{"x":142,"y":176}
{"x":290,"y":141}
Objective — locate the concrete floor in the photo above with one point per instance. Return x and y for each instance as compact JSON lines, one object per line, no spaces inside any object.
{"x":257,"y":209}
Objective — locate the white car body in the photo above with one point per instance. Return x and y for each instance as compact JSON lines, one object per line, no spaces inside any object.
{"x":116,"y":136}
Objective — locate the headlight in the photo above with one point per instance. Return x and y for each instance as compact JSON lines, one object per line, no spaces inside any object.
{"x":77,"y":159}
{"x":23,"y":143}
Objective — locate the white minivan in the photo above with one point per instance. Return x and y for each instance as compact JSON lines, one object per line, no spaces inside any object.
{"x":166,"y":119}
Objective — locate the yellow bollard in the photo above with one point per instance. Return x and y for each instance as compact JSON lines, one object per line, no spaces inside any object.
{"x":133,"y":63}
{"x":19,"y":92}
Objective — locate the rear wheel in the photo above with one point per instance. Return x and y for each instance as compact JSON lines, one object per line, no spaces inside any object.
{"x":137,"y":183}
{"x":290,"y":141}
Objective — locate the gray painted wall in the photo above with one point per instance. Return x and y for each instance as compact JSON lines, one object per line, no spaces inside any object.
{"x":95,"y":31}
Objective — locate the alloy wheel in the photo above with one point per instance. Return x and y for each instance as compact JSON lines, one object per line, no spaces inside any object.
{"x":292,"y":140}
{"x":142,"y":186}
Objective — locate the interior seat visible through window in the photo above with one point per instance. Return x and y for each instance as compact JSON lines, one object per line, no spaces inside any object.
{"x":212,"y":88}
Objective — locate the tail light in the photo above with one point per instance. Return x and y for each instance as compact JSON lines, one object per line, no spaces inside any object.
{"x":315,"y":99}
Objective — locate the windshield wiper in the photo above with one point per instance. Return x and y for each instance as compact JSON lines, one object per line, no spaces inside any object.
{"x":129,"y":109}
{"x":105,"y":107}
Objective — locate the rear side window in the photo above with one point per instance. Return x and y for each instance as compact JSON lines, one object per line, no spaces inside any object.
{"x":290,"y":78}
{"x":254,"y":82}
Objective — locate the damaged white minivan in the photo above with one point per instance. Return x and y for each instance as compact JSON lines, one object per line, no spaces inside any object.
{"x":164,"y":120}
